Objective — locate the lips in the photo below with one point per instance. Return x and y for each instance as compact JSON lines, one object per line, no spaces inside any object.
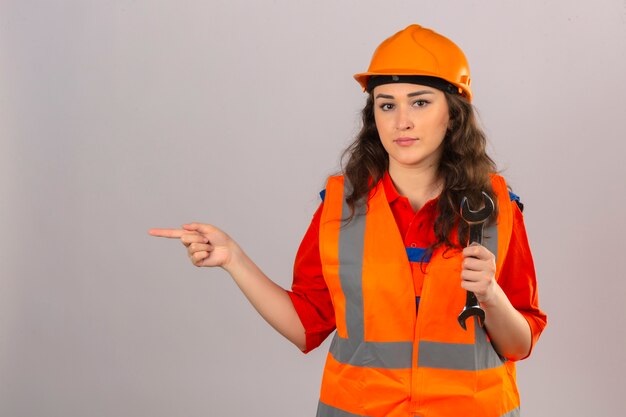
{"x":405,"y":141}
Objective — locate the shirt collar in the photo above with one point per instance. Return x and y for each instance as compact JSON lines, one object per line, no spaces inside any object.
{"x":392,"y":193}
{"x":390,"y":189}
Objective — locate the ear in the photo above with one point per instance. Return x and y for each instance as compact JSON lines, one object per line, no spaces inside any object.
{"x":450,"y":125}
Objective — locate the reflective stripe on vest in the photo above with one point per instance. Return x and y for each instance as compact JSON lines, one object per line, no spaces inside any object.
{"x":326,"y":410}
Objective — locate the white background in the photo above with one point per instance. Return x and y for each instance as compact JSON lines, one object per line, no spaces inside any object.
{"x":118,"y":116}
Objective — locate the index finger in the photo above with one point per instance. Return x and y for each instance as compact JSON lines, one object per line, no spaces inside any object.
{"x":169,"y":233}
{"x":476,"y":250}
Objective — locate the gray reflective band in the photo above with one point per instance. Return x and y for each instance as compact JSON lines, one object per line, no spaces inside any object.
{"x":351,"y":244}
{"x":512,"y":413}
{"x":325,"y":410}
{"x":486,"y":355}
{"x":490,"y":239}
{"x":458,"y":356}
{"x":385,"y":355}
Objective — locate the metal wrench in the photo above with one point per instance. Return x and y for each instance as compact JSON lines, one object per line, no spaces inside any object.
{"x":475,"y":220}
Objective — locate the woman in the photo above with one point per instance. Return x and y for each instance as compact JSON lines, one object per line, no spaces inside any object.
{"x":385,"y":260}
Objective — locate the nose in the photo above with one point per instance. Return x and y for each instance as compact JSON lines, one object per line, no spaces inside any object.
{"x":403,"y":120}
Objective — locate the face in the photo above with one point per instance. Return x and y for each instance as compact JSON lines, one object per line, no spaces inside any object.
{"x":412,"y":121}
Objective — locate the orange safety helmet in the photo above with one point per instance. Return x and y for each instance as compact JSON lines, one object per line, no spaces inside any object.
{"x":417,"y":51}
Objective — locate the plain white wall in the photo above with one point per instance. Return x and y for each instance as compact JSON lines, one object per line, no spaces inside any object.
{"x":118,"y":116}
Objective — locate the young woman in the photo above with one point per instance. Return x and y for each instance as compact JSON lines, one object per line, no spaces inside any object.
{"x":386,"y":263}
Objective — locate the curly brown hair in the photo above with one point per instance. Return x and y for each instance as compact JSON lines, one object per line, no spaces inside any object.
{"x":464,"y":168}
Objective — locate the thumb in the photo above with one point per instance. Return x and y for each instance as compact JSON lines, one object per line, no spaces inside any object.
{"x":199,"y":228}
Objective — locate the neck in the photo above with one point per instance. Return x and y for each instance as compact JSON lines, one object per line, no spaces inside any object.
{"x":418,"y":184}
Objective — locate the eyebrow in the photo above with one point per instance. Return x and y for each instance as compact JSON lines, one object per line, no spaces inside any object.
{"x":416,"y":93}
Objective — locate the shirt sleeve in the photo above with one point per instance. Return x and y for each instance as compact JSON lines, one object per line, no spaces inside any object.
{"x":518,"y":280}
{"x":309,"y":293}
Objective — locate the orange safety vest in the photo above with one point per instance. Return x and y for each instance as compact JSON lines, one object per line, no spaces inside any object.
{"x":385,"y":359}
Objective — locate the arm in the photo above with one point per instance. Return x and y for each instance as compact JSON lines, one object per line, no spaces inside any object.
{"x":208,"y":246}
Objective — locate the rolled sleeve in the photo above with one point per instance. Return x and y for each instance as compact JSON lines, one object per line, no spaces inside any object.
{"x":309,"y":293}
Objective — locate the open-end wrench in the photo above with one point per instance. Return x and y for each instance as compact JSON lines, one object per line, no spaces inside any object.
{"x":475,"y":220}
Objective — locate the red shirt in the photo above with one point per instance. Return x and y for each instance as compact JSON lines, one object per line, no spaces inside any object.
{"x":312,"y":301}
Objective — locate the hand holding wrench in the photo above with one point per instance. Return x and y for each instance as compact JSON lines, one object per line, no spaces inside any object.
{"x":475,"y":220}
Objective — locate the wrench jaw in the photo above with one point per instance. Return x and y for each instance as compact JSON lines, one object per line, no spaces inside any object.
{"x":477,"y":216}
{"x":471,"y":308}
{"x":469,"y":312}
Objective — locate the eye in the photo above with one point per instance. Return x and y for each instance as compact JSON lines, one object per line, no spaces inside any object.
{"x":420,"y":103}
{"x":386,"y":106}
